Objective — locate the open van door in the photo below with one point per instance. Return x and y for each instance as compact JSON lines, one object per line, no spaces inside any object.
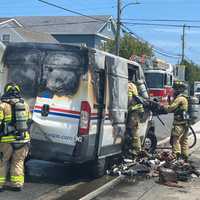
{"x":112,"y":98}
{"x":116,"y":99}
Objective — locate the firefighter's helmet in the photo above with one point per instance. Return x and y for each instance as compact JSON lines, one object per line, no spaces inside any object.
{"x":179,"y":86}
{"x":12,"y":88}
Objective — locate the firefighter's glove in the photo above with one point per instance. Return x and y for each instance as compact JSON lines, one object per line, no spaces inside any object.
{"x":133,"y":100}
{"x":162,"y":110}
{"x":141,"y":100}
{"x":154,"y":106}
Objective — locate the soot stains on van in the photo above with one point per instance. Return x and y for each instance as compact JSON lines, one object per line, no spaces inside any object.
{"x":61,"y":81}
{"x":22,"y":68}
{"x":62,"y":72}
{"x":53,"y":68}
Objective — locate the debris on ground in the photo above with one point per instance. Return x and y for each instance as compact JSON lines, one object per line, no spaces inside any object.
{"x":161,"y":165}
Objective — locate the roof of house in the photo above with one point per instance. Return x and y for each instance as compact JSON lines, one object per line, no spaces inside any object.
{"x":4,"y":19}
{"x":32,"y":36}
{"x":64,"y":24}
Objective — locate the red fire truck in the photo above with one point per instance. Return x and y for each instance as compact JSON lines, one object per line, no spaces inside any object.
{"x":159,"y":78}
{"x":159,"y":83}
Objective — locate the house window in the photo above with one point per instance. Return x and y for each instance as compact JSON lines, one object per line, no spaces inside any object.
{"x":5,"y":38}
{"x":109,"y":26}
{"x":103,"y":45}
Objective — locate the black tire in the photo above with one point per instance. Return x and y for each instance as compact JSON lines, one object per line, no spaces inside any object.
{"x":99,"y":167}
{"x":194,"y":136}
{"x":150,"y":142}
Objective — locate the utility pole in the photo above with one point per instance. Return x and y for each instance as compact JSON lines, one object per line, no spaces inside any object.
{"x":183,"y":44}
{"x":117,"y":39}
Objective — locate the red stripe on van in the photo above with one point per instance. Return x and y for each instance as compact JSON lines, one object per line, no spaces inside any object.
{"x":60,"y":110}
{"x":64,"y":110}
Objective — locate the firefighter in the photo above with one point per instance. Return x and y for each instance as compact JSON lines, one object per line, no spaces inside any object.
{"x":14,"y":137}
{"x":134,"y":112}
{"x":179,"y":134}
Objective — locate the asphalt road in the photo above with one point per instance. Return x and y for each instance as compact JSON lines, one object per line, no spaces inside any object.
{"x":163,"y":131}
{"x":35,"y":188}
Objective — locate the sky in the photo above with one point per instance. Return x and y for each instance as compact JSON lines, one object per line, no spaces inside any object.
{"x":165,"y":39}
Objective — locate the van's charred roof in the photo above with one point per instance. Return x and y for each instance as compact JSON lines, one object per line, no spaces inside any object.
{"x":49,"y":46}
{"x":57,"y":47}
{"x":14,"y":48}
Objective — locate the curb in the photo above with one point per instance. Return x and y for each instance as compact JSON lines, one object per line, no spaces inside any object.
{"x":103,"y":188}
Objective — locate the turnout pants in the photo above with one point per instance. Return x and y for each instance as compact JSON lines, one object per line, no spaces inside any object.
{"x":12,"y":164}
{"x":133,"y":128}
{"x":180,"y":140}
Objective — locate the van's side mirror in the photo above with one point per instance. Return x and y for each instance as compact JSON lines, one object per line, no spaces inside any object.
{"x":45,"y":110}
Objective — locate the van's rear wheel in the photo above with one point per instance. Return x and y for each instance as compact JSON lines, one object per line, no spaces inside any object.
{"x":98,"y":167}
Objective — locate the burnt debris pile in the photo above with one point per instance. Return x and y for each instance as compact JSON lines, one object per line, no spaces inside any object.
{"x":161,"y":165}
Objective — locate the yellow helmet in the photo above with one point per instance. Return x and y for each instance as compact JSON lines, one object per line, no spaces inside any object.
{"x":12,"y":88}
{"x":179,"y":86}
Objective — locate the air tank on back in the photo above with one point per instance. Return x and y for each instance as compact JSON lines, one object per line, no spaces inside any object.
{"x":142,"y":89}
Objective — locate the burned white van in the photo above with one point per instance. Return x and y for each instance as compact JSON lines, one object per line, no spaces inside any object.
{"x":79,"y":98}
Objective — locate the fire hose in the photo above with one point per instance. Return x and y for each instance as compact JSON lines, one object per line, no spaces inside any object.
{"x":191,"y":131}
{"x":157,"y":110}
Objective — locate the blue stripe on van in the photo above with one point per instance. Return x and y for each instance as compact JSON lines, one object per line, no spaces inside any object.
{"x":68,"y":115}
{"x":60,"y":114}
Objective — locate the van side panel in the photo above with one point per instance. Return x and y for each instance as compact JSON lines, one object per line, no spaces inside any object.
{"x":116,"y":100}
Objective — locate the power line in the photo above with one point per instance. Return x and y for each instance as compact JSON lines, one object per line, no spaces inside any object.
{"x":166,"y":55}
{"x":156,"y":49}
{"x":188,"y":59}
{"x":193,"y":50}
{"x":162,"y":20}
{"x":163,"y":25}
{"x":172,"y":2}
{"x":81,"y":9}
{"x":87,"y":4}
{"x":144,"y":41}
{"x":99,"y":8}
{"x":72,"y":11}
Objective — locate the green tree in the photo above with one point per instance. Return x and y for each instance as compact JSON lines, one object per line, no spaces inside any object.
{"x":129,"y":46}
{"x":192,"y":72}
